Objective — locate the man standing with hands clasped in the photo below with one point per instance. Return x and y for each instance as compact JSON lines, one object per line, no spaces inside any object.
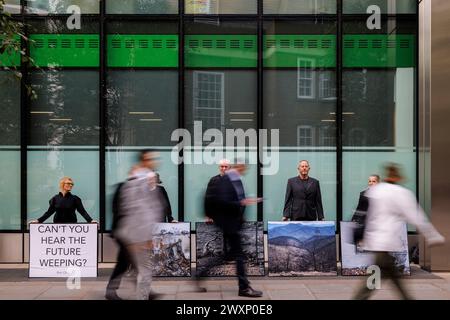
{"x":303,"y":201}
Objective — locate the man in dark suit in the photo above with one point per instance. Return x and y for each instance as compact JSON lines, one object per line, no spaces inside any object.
{"x":359,"y":216}
{"x":363,"y":202}
{"x":229,"y":201}
{"x":224,"y":165}
{"x":303,"y":201}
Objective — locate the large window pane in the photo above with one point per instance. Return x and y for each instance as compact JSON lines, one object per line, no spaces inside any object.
{"x":299,"y":6}
{"x":220,"y":93}
{"x":378,"y":104}
{"x":386,"y":6}
{"x":142,"y":113}
{"x":218,"y":100}
{"x":300,"y":101}
{"x":59,"y":116}
{"x":47,"y":167}
{"x":9,"y":151}
{"x":142,"y":6}
{"x":63,"y":138}
{"x":61,"y":6}
{"x":221,"y":7}
{"x":142,"y":102}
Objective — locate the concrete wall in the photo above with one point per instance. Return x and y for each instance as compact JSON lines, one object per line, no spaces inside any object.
{"x":440,"y":132}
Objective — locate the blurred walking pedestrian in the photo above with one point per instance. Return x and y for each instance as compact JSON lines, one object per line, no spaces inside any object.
{"x":123,"y":263}
{"x":391,"y":206}
{"x":229,"y":201}
{"x":140,"y":207}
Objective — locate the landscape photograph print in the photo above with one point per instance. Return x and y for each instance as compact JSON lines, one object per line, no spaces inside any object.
{"x":171,"y":250}
{"x":302,"y":248}
{"x":213,"y":253}
{"x":355,"y":261}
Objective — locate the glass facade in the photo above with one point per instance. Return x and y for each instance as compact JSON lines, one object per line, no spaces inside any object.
{"x":299,"y":99}
{"x":378,"y":102}
{"x":341,"y":93}
{"x":63,"y":121}
{"x":10,"y":151}
{"x":220,"y":93}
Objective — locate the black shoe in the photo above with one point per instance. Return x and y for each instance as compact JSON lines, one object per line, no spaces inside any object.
{"x":250,"y":292}
{"x":153,"y":296}
{"x":200,"y":289}
{"x":198,"y":285}
{"x":112,"y":295}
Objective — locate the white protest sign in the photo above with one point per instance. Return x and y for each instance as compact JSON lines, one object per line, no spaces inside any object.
{"x":57,"y":249}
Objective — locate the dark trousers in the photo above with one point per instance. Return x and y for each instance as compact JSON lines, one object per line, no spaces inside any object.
{"x":386,"y":262}
{"x":122,"y":265}
{"x":231,"y":234}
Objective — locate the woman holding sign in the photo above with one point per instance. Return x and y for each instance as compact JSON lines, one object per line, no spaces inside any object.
{"x":65,"y":204}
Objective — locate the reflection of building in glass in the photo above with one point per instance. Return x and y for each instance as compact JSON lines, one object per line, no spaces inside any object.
{"x":209,"y":102}
{"x":306,"y":81}
{"x":220,"y":6}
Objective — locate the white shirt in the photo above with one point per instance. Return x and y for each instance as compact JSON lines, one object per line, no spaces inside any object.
{"x":390,"y":208}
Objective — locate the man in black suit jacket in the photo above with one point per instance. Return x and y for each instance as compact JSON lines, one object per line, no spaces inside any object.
{"x":209,"y":207}
{"x":227,"y":196}
{"x":303,"y":201}
{"x":363,"y":202}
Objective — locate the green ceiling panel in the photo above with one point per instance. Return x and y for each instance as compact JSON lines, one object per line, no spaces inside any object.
{"x":143,"y":51}
{"x":229,"y":51}
{"x":288,"y":51}
{"x":65,"y":50}
{"x":392,"y":51}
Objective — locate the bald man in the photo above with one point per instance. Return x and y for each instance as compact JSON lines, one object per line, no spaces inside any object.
{"x":303,"y":201}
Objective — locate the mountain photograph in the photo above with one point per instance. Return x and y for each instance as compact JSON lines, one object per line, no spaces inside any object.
{"x":302,"y":248}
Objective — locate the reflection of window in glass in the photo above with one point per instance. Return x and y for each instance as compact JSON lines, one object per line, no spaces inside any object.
{"x":305,"y":79}
{"x":209,"y":102}
{"x":327,"y":136}
{"x":305,"y":136}
{"x":327,"y":88}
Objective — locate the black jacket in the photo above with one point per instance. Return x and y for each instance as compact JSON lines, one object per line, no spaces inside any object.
{"x":361,"y":209}
{"x":303,"y":201}
{"x":166,"y":201}
{"x":209,"y":205}
{"x":65,"y":207}
{"x":225,"y":199}
{"x":116,"y":205}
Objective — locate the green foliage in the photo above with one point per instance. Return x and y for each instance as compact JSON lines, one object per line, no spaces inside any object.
{"x":12,"y":33}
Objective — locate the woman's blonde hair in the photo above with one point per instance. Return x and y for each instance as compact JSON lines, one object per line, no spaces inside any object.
{"x":62,"y":181}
